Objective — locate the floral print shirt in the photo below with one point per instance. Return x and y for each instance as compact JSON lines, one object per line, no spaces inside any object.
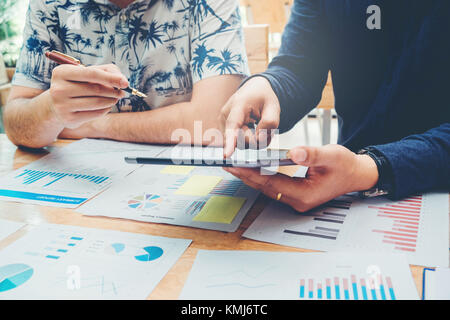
{"x":163,"y":47}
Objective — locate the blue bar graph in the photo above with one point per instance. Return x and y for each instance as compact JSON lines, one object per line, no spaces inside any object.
{"x":319,"y":293}
{"x":337,"y":290}
{"x":328,"y":289}
{"x":383,"y":295}
{"x":391,"y":292}
{"x":364,"y":292}
{"x":374,"y":294}
{"x":31,"y":176}
{"x":354,"y":287}
{"x":347,"y":288}
{"x":302,"y":289}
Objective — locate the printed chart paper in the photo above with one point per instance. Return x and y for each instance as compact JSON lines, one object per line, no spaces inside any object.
{"x":437,"y":284}
{"x":64,"y":262}
{"x":250,"y":275}
{"x":201,"y":197}
{"x":417,"y":226}
{"x":8,"y":227}
{"x":69,"y":176}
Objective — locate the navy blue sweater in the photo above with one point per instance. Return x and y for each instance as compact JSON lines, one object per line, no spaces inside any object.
{"x":392,"y":86}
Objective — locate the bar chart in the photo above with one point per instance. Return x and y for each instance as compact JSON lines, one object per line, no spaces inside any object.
{"x":405,"y":216}
{"x":57,"y":248}
{"x":417,"y":226}
{"x":347,"y":288}
{"x":66,"y":177}
{"x":227,"y":187}
{"x":35,"y":176}
{"x":324,"y":222}
{"x":249,"y":275}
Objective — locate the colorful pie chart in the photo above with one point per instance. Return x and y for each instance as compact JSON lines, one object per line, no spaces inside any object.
{"x":14,"y":275}
{"x":149,"y":254}
{"x":145,"y":201}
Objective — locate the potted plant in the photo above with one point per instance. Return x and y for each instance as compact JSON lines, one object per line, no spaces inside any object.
{"x":11,"y":24}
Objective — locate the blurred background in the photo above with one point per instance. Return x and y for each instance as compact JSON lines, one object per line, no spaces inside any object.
{"x":264,"y":22}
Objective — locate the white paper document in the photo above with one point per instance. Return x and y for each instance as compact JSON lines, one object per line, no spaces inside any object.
{"x":201,"y":197}
{"x":64,"y":262}
{"x":8,"y":227}
{"x":69,"y":176}
{"x":417,"y":226}
{"x":437,"y":284}
{"x":252,"y":275}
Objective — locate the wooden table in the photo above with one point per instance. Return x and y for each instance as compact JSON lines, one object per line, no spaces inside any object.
{"x":171,"y":285}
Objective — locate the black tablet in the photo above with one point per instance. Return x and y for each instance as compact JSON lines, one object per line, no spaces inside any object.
{"x":240,"y":159}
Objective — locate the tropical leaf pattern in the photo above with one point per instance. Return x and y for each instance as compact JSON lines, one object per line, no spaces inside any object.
{"x":162,"y":46}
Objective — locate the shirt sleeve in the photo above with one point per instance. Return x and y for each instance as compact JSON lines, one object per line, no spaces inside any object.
{"x":217,"y":41}
{"x":299,"y":72}
{"x":33,"y":69}
{"x":420,"y":163}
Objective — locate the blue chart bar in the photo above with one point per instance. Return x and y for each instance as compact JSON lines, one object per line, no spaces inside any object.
{"x":383,"y":295}
{"x":76,"y":238}
{"x":328,"y":282}
{"x":391,"y":288}
{"x":364,"y":289}
{"x":337,"y":289}
{"x":354,"y":287}
{"x":302,"y":288}
{"x":374,"y":294}
{"x":311,"y":288}
{"x":391,"y":292}
{"x":52,"y":257}
{"x":32,"y":176}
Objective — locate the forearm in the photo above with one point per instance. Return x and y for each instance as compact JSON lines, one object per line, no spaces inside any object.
{"x":179,"y":123}
{"x":299,"y":72}
{"x":30,"y":122}
{"x":420,"y":163}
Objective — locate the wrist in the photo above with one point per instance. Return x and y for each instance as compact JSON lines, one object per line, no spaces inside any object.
{"x":50,"y":114}
{"x":98,"y":128}
{"x":367,"y":175}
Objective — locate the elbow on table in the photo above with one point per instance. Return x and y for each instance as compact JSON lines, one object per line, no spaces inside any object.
{"x":20,"y":139}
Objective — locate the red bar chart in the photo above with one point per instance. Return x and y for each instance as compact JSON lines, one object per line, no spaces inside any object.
{"x":405,"y":216}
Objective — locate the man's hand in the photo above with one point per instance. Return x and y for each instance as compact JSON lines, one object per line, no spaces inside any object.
{"x":81,"y":94}
{"x":254,"y":102}
{"x":333,"y":171}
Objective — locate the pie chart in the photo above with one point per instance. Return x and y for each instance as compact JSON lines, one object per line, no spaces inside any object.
{"x":145,"y":201}
{"x":149,"y":254}
{"x":14,"y":275}
{"x":115,"y":248}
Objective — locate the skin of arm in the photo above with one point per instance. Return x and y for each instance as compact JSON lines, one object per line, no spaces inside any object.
{"x":158,"y":126}
{"x":30,"y":120}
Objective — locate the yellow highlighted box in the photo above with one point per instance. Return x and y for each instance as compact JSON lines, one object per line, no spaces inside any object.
{"x":199,"y":185}
{"x":181,"y":170}
{"x":220,"y":209}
